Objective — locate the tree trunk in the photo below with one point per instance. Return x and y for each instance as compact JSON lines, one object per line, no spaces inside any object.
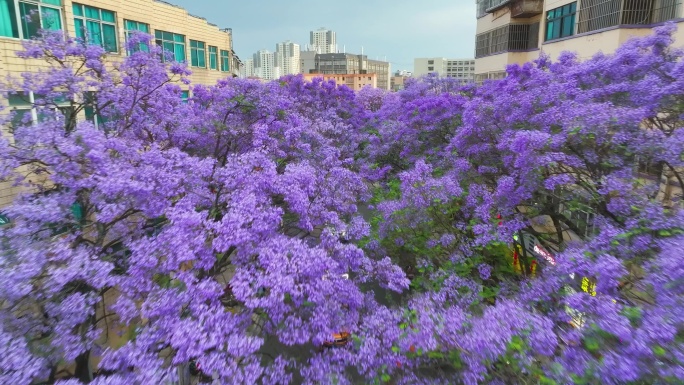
{"x":84,"y":372}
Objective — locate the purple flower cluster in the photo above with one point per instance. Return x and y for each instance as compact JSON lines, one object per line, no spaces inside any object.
{"x":398,"y":218}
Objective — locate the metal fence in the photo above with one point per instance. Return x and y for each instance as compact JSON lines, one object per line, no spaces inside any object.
{"x":598,"y":14}
{"x":510,"y":37}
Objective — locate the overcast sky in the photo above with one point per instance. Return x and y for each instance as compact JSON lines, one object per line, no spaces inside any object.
{"x":401,"y":30}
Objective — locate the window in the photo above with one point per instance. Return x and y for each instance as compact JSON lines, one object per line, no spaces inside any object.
{"x":96,"y":26}
{"x":225,"y":61}
{"x":23,"y":19}
{"x":185,"y":95}
{"x":213,"y":57}
{"x":560,"y":22}
{"x":131,"y":26}
{"x":173,"y":43}
{"x":431,"y":68}
{"x":198,"y":54}
{"x":431,"y":62}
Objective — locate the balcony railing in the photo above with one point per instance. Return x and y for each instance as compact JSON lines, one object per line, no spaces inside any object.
{"x":510,"y":37}
{"x":526,"y":8}
{"x":598,"y":14}
{"x":497,"y":4}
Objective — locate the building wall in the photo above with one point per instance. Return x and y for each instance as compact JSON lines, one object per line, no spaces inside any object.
{"x":462,"y":69}
{"x":323,"y":41}
{"x":288,"y":57}
{"x":158,"y":15}
{"x":307,"y":61}
{"x":605,"y":39}
{"x":353,"y":81}
{"x":347,"y":63}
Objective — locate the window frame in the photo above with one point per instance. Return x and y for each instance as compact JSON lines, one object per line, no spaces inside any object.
{"x":19,"y":25}
{"x":195,"y":52}
{"x":172,"y":41}
{"x":84,"y":18}
{"x":127,"y":32}
{"x":560,"y":18}
{"x":213,"y":54}
{"x":225,"y":60}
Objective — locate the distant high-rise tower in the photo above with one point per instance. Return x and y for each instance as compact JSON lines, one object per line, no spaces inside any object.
{"x":323,"y":41}
{"x":266,"y":65}
{"x":288,"y":57}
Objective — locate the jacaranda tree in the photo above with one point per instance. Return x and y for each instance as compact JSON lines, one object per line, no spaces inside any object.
{"x":132,"y":222}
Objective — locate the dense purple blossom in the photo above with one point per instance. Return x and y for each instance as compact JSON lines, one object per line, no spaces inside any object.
{"x":393,"y":217}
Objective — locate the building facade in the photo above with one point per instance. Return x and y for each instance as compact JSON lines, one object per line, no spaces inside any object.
{"x":288,"y":57}
{"x":347,"y":63}
{"x":323,"y":41}
{"x":353,"y":81}
{"x":461,"y":69}
{"x":307,"y":60}
{"x":265,"y":65}
{"x":398,"y":79}
{"x":517,"y":31}
{"x":205,"y":47}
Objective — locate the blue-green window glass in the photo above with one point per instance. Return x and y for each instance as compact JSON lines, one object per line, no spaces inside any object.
{"x":96,"y":26}
{"x":213,"y":57}
{"x":185,"y":95}
{"x":51,"y":18}
{"x":225,"y":61}
{"x":77,"y":9}
{"x":560,"y":22}
{"x":30,"y":20}
{"x":23,"y":19}
{"x":172,"y":42}
{"x":129,"y":26}
{"x":8,"y":19}
{"x":198,"y":54}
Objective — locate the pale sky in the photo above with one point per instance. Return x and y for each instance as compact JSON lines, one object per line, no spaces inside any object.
{"x":399,"y":30}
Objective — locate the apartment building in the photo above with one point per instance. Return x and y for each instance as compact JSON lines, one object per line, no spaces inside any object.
{"x":461,"y":69}
{"x":205,"y":47}
{"x":263,"y":65}
{"x":323,"y":41}
{"x":398,"y":79}
{"x":353,"y":81}
{"x":517,"y":31}
{"x":347,"y":63}
{"x":288,"y":57}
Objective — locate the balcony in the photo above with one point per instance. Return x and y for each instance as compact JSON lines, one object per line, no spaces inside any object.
{"x":526,"y":8}
{"x":497,"y":4}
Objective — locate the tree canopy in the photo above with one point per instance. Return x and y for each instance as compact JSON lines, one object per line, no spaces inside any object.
{"x":525,"y":231}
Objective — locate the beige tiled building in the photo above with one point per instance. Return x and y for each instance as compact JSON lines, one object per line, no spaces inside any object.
{"x":517,"y":31}
{"x":353,"y":81}
{"x":204,"y":46}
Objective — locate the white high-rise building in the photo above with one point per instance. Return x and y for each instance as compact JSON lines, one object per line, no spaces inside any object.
{"x":323,"y":41}
{"x":461,"y":69}
{"x":248,"y":68}
{"x":264,"y":65}
{"x":287,"y":55}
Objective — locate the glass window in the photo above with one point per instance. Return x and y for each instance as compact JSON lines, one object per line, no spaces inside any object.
{"x":23,"y":19}
{"x":96,"y":26}
{"x":560,"y":22}
{"x":198,"y":54}
{"x":185,"y":95}
{"x":225,"y":61}
{"x":213,"y":57}
{"x":130,"y":26}
{"x":173,"y":43}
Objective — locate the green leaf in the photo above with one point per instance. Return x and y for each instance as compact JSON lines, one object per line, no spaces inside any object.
{"x":395,"y":349}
